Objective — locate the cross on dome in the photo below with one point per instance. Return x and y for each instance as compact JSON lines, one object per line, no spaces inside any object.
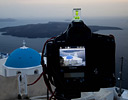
{"x":24,"y":45}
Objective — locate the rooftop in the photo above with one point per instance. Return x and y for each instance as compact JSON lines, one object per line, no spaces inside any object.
{"x":23,"y":57}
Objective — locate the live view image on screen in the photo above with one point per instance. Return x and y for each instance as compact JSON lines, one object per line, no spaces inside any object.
{"x":72,"y":56}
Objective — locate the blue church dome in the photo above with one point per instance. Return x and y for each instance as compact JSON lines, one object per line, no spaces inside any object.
{"x":69,"y":57}
{"x":23,"y":57}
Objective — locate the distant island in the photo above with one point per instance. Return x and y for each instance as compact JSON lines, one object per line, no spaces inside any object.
{"x":7,"y":20}
{"x":49,"y":29}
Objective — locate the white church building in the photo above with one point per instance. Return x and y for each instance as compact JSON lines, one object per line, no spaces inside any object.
{"x":22,"y":60}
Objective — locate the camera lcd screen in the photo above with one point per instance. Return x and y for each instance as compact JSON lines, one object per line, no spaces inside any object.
{"x":71,"y":56}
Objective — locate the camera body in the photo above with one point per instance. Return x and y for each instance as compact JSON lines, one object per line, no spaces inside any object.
{"x":80,"y":61}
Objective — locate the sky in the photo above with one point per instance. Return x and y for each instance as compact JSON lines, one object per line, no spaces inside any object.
{"x":62,"y":8}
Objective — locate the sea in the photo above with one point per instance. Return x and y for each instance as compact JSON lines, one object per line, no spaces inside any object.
{"x":10,"y":43}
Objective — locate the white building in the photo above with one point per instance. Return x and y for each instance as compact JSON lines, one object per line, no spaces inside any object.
{"x":72,"y":60}
{"x":22,"y":60}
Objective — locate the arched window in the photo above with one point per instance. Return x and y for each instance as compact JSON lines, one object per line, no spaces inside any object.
{"x":18,"y":72}
{"x":36,"y":72}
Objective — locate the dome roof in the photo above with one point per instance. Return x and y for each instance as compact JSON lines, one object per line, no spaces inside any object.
{"x":23,"y":57}
{"x":69,"y":57}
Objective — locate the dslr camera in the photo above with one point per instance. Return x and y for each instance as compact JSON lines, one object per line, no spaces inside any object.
{"x":80,"y":61}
